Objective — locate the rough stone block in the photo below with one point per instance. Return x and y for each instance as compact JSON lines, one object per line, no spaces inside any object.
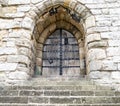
{"x":115,"y":75}
{"x":98,"y":44}
{"x":99,"y":75}
{"x":90,"y":22}
{"x":18,"y":75}
{"x":113,"y":51}
{"x":95,"y":65}
{"x":111,"y":35}
{"x":36,"y":1}
{"x":16,"y":2}
{"x":15,"y":15}
{"x":18,"y":59}
{"x":21,"y":33}
{"x":23,"y":8}
{"x":8,"y":51}
{"x":96,"y":54}
{"x":5,"y":24}
{"x":109,"y":65}
{"x":38,"y":100}
{"x":93,"y":37}
{"x":114,"y":43}
{"x":3,"y":59}
{"x":8,"y":66}
{"x":28,"y":23}
{"x":14,"y":100}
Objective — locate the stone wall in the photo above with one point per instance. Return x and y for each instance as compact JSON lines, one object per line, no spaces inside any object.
{"x":22,"y":23}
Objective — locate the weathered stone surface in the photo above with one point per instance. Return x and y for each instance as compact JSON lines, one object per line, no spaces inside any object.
{"x":98,"y":44}
{"x":21,"y":33}
{"x":115,"y":75}
{"x":8,"y":66}
{"x":93,"y":37}
{"x":36,"y":1}
{"x":23,"y":8}
{"x":15,"y":15}
{"x":95,"y":65}
{"x":90,"y":22}
{"x":111,"y":35}
{"x":96,"y":54}
{"x":18,"y":59}
{"x":28,"y":23}
{"x":114,"y":43}
{"x":5,"y":24}
{"x":14,"y":2}
{"x":113,"y":51}
{"x":18,"y":75}
{"x":99,"y":75}
{"x":8,"y":50}
{"x":3,"y":59}
{"x":109,"y":65}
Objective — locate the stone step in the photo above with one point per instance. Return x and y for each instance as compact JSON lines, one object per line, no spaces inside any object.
{"x":59,"y":100}
{"x":57,"y":93}
{"x":57,"y":87}
{"x":60,"y":104}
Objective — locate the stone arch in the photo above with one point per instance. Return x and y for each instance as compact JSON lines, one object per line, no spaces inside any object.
{"x":49,"y":30}
{"x":42,"y":23}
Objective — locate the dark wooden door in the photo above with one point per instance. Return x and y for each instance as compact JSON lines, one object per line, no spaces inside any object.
{"x":61,"y":54}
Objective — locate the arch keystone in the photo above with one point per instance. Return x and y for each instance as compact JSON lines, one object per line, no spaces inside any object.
{"x":67,"y":2}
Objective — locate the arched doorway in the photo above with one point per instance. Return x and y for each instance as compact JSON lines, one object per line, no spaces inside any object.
{"x":61,"y":55}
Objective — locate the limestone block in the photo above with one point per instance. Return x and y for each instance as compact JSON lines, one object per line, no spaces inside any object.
{"x":79,"y":8}
{"x":23,"y":8}
{"x":96,"y":11}
{"x":23,"y":69}
{"x":23,"y":43}
{"x":40,"y":46}
{"x":21,"y":33}
{"x":10,"y":44}
{"x":3,"y":33}
{"x":96,"y":54}
{"x":5,"y":10}
{"x":99,"y":75}
{"x":111,"y":35}
{"x":8,"y":66}
{"x":3,"y":59}
{"x":16,"y":2}
{"x":15,"y":15}
{"x":18,"y":75}
{"x":36,"y":1}
{"x":114,"y":43}
{"x":98,"y":44}
{"x":28,"y":23}
{"x":93,"y":37}
{"x":58,"y":1}
{"x":104,"y":23}
{"x":41,"y":40}
{"x":113,"y":51}
{"x":90,"y":22}
{"x":23,"y":51}
{"x":116,"y":23}
{"x":114,"y":10}
{"x":2,"y":76}
{"x":115,"y":75}
{"x":116,"y":59}
{"x":8,"y":51}
{"x":72,"y":3}
{"x":95,"y":65}
{"x":109,"y":65}
{"x":18,"y":59}
{"x":119,"y":66}
{"x":48,"y":3}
